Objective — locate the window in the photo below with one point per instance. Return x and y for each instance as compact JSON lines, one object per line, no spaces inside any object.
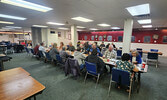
{"x":92,"y":38}
{"x":120,"y":38}
{"x":109,"y":38}
{"x":147,"y":39}
{"x":133,"y":39}
{"x":164,"y":39}
{"x":85,"y":37}
{"x":100,"y":38}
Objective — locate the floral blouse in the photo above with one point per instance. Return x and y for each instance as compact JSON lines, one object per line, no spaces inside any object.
{"x":125,"y":65}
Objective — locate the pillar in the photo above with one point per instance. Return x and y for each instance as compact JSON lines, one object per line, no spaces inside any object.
{"x":74,"y":35}
{"x":128,"y":26}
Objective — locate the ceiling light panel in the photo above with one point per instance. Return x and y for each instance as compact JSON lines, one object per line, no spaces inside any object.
{"x":82,"y":19}
{"x":13,"y":27}
{"x":104,"y":25}
{"x":93,"y":29}
{"x":63,"y":28}
{"x":144,"y":21}
{"x":80,"y":27}
{"x":42,"y":26}
{"x":54,"y":23}
{"x":147,"y":26}
{"x":26,"y":4}
{"x":5,"y":22}
{"x":143,"y":9}
{"x":115,"y":28}
{"x":12,"y":17}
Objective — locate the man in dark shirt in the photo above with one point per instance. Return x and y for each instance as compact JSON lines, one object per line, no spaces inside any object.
{"x":93,"y":58}
{"x":71,"y":47}
{"x":102,"y":45}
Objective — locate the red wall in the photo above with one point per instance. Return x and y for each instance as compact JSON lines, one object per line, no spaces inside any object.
{"x":139,"y":35}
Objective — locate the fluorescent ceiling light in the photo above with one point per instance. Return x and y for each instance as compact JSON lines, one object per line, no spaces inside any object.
{"x":93,"y":29}
{"x":104,"y":25}
{"x":63,"y":28}
{"x":26,"y":4}
{"x":80,"y":27}
{"x":79,"y":30}
{"x":53,"y":23}
{"x":139,"y":10}
{"x":82,"y":19}
{"x":144,"y":21}
{"x":4,"y":22}
{"x":115,"y":28}
{"x":12,"y":17}
{"x":39,"y":26}
{"x":13,"y":27}
{"x":147,"y":26}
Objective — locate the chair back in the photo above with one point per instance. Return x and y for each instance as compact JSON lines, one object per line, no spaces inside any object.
{"x":27,"y":50}
{"x":154,"y":50}
{"x":41,"y":54}
{"x":152,"y":55}
{"x":32,"y":51}
{"x":120,"y":76}
{"x":119,"y":53}
{"x":58,"y":58}
{"x":48,"y":57}
{"x":91,"y":68}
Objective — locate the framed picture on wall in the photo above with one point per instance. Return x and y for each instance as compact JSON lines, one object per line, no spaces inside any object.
{"x":85,"y":37}
{"x":109,"y":38}
{"x":164,"y":39}
{"x":92,"y":38}
{"x":100,"y":38}
{"x":155,"y":36}
{"x":96,"y":36}
{"x":147,"y":39}
{"x":120,"y":38}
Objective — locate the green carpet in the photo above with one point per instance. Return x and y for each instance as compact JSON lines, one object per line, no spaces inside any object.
{"x":61,"y":87}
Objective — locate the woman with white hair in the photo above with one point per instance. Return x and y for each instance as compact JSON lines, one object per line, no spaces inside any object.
{"x":135,"y":57}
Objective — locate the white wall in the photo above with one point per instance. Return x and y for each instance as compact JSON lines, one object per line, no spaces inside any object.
{"x":53,"y":38}
{"x":146,"y":47}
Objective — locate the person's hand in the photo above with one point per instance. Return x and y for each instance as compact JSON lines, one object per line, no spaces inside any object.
{"x":135,"y":62}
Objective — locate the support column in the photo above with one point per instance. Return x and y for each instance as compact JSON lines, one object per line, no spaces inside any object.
{"x":128,"y":26}
{"x":74,"y":35}
{"x":36,"y":35}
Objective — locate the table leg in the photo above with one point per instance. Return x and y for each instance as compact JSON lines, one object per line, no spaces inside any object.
{"x":138,"y":84}
{"x":1,"y":65}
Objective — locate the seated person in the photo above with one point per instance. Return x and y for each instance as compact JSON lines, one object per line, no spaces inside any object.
{"x":82,"y":48}
{"x":102,"y":45}
{"x":63,"y":54}
{"x":94,"y":46}
{"x":79,"y":56}
{"x":107,"y":45}
{"x":93,"y":58}
{"x":42,"y":48}
{"x":61,"y":46}
{"x":87,"y":47}
{"x":114,"y":47}
{"x":71,"y":47}
{"x":36,"y":49}
{"x":126,"y":65}
{"x":110,"y":53}
{"x":53,"y":51}
{"x":135,"y":57}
